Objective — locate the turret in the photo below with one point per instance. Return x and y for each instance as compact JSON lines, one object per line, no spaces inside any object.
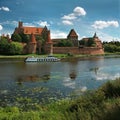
{"x":33,"y":39}
{"x":49,"y":38}
{"x":95,"y":35}
{"x":32,"y":44}
{"x":20,"y":24}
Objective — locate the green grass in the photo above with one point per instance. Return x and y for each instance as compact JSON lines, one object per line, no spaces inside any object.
{"x":101,"y":104}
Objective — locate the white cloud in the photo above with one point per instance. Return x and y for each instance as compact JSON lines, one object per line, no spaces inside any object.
{"x":43,"y":23}
{"x":1,"y":27}
{"x":5,"y":9}
{"x":58,"y":34}
{"x":67,"y":22}
{"x":79,"y":11}
{"x":68,"y":19}
{"x":29,"y":24}
{"x":106,"y":37}
{"x":37,"y":23}
{"x":14,"y":23}
{"x":104,"y":24}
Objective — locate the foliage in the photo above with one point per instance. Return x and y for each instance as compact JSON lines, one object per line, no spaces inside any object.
{"x":10,"y":48}
{"x":4,"y":46}
{"x":90,"y":42}
{"x":15,"y":48}
{"x":112,"y":47}
{"x":111,"y":89}
{"x":16,"y":38}
{"x":65,"y":43}
{"x":102,"y":104}
{"x":87,"y":43}
{"x":25,"y":38}
{"x":20,"y":37}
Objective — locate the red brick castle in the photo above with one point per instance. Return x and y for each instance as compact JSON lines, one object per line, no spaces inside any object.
{"x":40,"y":42}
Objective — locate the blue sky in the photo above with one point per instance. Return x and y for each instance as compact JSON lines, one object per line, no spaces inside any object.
{"x":60,"y":16}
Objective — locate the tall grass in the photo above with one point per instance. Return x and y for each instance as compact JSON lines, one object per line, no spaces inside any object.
{"x":102,"y":104}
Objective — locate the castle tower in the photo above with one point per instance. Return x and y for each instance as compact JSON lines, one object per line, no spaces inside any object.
{"x":49,"y":38}
{"x":32,"y":44}
{"x":49,"y":44}
{"x":73,"y":37}
{"x":20,"y":24}
{"x":97,"y":41}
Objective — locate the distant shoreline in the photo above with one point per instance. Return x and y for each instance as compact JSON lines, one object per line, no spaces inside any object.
{"x":61,"y":56}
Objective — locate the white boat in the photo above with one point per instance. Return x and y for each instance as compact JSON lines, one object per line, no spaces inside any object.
{"x":42,"y":59}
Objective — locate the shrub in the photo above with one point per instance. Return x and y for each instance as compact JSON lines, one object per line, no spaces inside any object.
{"x":111,"y":88}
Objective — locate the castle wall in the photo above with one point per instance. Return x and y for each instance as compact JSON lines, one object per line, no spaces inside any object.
{"x":76,"y":50}
{"x":32,"y":48}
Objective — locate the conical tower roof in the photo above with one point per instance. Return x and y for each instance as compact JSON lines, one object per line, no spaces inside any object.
{"x":72,"y":33}
{"x":95,"y":35}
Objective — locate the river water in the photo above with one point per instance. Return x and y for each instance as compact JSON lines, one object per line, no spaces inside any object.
{"x":54,"y":80}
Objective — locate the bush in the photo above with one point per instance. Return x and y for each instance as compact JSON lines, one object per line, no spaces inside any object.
{"x":111,"y":88}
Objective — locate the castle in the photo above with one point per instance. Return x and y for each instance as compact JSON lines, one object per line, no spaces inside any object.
{"x":39,"y":41}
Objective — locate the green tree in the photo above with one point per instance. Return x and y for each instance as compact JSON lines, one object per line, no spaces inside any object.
{"x":15,"y":48}
{"x":24,"y":38}
{"x":90,"y":42}
{"x":65,"y":43}
{"x":4,"y":45}
{"x":82,"y":42}
{"x":16,"y":38}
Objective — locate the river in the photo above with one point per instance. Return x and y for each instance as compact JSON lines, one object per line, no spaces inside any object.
{"x":54,"y":80}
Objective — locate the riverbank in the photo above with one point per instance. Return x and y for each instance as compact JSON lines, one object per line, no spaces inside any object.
{"x":58,"y":55}
{"x":102,"y":104}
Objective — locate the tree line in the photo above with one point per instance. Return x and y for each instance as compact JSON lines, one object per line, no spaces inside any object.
{"x":10,"y":47}
{"x":112,"y":47}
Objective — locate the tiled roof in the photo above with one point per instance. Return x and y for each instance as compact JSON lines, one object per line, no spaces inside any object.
{"x":33,"y":30}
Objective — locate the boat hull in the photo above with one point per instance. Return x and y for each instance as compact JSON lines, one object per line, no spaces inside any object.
{"x":46,"y":59}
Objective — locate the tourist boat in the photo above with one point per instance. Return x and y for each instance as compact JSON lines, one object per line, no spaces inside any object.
{"x":42,"y":59}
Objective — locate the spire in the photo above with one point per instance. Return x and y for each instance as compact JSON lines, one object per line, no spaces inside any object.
{"x":95,"y":35}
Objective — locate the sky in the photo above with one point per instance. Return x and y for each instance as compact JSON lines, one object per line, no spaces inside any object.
{"x":60,"y":16}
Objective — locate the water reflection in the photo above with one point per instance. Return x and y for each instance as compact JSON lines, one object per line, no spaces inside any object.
{"x":95,"y":69}
{"x":33,"y":78}
{"x":54,"y":80}
{"x":73,"y":75}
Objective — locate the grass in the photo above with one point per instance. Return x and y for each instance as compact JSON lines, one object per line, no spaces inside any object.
{"x":28,"y":55}
{"x":102,"y":104}
{"x":62,"y":56}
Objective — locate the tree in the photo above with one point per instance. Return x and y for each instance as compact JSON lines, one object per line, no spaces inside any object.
{"x":15,"y":48}
{"x":65,"y":43}
{"x":24,"y":38}
{"x":16,"y":37}
{"x":90,"y":42}
{"x":113,"y":46}
{"x":4,"y":45}
{"x":82,"y":42}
